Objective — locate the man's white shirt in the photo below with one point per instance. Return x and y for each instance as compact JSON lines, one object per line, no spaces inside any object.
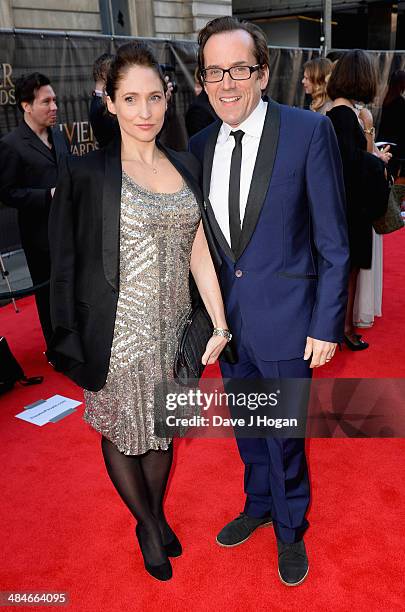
{"x":221,"y":165}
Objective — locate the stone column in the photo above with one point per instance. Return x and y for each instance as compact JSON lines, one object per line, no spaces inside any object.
{"x":6,"y":15}
{"x":205,"y":10}
{"x":142,"y":17}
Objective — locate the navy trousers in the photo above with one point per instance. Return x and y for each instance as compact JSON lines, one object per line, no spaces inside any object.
{"x":276,"y":474}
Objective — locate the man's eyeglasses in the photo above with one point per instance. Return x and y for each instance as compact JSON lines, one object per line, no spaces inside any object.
{"x":237,"y":73}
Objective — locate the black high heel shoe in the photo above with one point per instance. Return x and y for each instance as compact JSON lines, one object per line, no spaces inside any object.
{"x":160,"y":572}
{"x":173,"y":548}
{"x":360,"y":345}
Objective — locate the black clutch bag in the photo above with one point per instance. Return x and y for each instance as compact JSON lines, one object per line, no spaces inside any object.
{"x":193,"y":338}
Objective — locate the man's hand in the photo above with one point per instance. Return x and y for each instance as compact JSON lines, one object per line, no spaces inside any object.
{"x":321,"y":351}
{"x":169,"y":91}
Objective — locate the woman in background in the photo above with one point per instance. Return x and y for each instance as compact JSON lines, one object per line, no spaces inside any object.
{"x":316,"y":75}
{"x":354,"y":81}
{"x":368,"y":300}
{"x":392,"y":125}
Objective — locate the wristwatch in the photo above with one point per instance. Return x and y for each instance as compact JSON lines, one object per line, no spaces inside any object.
{"x":370,"y":131}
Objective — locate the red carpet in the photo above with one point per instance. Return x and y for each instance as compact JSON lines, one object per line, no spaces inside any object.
{"x":65,"y":529}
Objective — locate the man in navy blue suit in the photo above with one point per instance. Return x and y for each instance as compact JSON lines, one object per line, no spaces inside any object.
{"x":274,"y":196}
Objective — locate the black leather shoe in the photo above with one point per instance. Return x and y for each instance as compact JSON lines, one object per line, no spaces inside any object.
{"x":173,"y":548}
{"x":160,"y":572}
{"x":359,"y":345}
{"x":292,"y":562}
{"x":240,"y":529}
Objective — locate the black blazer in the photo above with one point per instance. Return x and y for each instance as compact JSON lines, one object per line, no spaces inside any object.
{"x":366,"y":188}
{"x":28,"y":171}
{"x":200,"y":115}
{"x":104,"y":125}
{"x":84,"y":243}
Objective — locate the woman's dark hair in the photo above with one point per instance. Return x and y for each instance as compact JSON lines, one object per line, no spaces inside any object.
{"x":334,"y":56}
{"x":354,"y":77}
{"x":396,"y":86}
{"x":128,"y":55}
{"x":27,"y":86}
{"x":230,"y":24}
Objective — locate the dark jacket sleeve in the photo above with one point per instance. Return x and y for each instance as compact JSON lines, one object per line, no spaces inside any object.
{"x":197,"y":118}
{"x":364,"y":172}
{"x":22,"y":198}
{"x":326,"y":197}
{"x":104,"y":126}
{"x":65,"y":340}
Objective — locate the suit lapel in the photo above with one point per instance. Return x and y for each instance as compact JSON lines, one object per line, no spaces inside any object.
{"x":111,"y":212}
{"x":209,"y":151}
{"x":261,"y":175}
{"x":35,"y":142}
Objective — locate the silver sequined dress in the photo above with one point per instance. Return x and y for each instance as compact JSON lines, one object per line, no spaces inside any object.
{"x":156,"y":235}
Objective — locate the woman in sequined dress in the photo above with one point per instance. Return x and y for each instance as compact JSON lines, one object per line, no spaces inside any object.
{"x":125,"y":231}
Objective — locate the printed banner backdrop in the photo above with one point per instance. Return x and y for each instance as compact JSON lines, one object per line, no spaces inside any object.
{"x":68,"y":59}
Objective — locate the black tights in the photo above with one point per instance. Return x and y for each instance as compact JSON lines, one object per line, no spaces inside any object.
{"x":141,"y":483}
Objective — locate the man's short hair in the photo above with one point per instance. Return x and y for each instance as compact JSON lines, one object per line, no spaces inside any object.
{"x":27,"y":86}
{"x":101,"y":67}
{"x":230,"y":24}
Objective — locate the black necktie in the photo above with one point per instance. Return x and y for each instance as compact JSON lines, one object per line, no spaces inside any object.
{"x":234,"y":190}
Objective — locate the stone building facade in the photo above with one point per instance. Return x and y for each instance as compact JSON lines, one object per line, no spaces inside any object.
{"x":178,"y":19}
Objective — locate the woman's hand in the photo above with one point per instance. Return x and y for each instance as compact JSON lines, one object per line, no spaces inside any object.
{"x":385,"y":154}
{"x":214,"y":348}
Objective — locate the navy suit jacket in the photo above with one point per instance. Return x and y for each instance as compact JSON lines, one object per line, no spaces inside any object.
{"x":288,"y":279}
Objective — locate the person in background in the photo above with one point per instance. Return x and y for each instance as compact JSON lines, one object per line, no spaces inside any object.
{"x":200,"y":113}
{"x":354,"y":81}
{"x":30,"y":156}
{"x":316,"y":74}
{"x":334,"y":56}
{"x":104,"y":125}
{"x":392,"y":125}
{"x":368,"y":299}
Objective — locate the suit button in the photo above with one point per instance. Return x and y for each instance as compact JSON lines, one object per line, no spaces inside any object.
{"x":238,"y":273}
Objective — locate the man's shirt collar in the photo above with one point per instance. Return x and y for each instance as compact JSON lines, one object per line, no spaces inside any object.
{"x":253,"y":125}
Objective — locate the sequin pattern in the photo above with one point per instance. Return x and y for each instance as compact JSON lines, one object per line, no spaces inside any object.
{"x":156,"y":236}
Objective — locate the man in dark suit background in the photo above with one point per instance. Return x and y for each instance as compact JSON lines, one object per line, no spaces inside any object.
{"x":104,"y":125}
{"x":274,"y":194}
{"x":29,"y":159}
{"x":200,"y":113}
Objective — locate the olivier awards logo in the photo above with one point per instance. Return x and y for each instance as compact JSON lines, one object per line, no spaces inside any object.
{"x":80,"y":137}
{"x":7,"y":93}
